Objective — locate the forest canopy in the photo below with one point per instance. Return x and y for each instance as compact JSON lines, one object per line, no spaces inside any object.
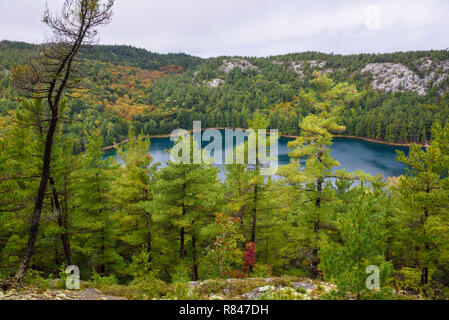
{"x":140,"y":225}
{"x":162,"y":92}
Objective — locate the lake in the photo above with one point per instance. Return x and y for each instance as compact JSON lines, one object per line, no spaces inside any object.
{"x":352,"y":154}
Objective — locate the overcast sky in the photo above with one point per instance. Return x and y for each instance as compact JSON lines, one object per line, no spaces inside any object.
{"x":253,"y":27}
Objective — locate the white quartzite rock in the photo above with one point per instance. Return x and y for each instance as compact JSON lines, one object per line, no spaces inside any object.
{"x":233,"y":63}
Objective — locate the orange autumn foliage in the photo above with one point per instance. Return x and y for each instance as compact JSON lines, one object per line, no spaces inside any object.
{"x":120,"y":88}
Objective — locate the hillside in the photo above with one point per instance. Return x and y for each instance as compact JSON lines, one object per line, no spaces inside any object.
{"x":404,"y":93}
{"x":141,"y":230}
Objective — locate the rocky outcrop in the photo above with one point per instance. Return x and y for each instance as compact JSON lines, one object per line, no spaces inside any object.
{"x":395,"y":77}
{"x":242,"y":64}
{"x":214,"y":83}
{"x":304,"y":290}
{"x":256,"y":293}
{"x":261,"y":288}
{"x":37,"y":294}
{"x":439,"y":72}
{"x":421,"y":76}
{"x":299,"y":66}
{"x":315,"y":64}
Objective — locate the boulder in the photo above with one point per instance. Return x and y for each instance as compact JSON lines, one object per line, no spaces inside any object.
{"x":304,"y":285}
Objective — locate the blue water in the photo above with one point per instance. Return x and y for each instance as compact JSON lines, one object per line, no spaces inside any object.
{"x":352,"y":154}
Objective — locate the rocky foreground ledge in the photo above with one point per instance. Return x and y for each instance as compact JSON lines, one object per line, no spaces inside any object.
{"x":227,"y":289}
{"x":39,"y":294}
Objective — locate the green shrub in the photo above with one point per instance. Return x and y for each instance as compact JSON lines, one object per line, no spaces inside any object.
{"x":261,"y":271}
{"x":408,"y":279}
{"x":102,"y":281}
{"x":211,"y":287}
{"x":154,"y":289}
{"x":301,"y":290}
{"x":140,"y":290}
{"x":181,"y":274}
{"x":35,"y":278}
{"x":140,"y":268}
{"x":180,"y":291}
{"x":285,"y":293}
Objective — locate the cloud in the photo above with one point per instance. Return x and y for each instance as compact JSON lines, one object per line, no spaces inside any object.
{"x":254,"y":27}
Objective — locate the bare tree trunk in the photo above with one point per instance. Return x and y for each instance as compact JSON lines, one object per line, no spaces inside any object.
{"x":316,"y":230}
{"x":149,"y":247}
{"x":182,"y":231}
{"x":425,"y":269}
{"x":64,"y":235}
{"x":102,"y":252}
{"x":424,"y":276}
{"x":254,"y":223}
{"x":194,"y":265}
{"x":34,"y":226}
{"x":181,"y":249}
{"x":103,"y":238}
{"x":48,"y":78}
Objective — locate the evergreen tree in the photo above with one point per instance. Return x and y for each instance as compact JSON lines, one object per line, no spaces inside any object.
{"x":18,"y":182}
{"x":133,"y":193}
{"x":94,"y":207}
{"x":423,"y":209}
{"x":362,"y":243}
{"x":186,"y":199}
{"x":312,"y":146}
{"x":249,"y":191}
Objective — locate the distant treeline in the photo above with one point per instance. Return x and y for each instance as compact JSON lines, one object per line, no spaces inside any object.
{"x":161,"y":92}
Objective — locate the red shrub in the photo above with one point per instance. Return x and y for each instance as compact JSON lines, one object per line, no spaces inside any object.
{"x":249,"y":256}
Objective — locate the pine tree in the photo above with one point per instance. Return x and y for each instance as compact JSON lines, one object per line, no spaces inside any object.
{"x":361,"y":243}
{"x":327,"y":101}
{"x":19,"y":170}
{"x":424,"y":204}
{"x":92,"y":222}
{"x":186,"y":200}
{"x":248,"y":191}
{"x":133,"y":193}
{"x":62,"y":186}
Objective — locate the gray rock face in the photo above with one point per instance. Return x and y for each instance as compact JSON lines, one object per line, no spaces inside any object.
{"x":303,"y":285}
{"x":395,"y":77}
{"x":424,"y":64}
{"x":233,"y":63}
{"x":255,"y":294}
{"x":327,"y":71}
{"x":299,"y":66}
{"x":35,"y":294}
{"x":439,"y":73}
{"x":313,"y":64}
{"x":215,"y":83}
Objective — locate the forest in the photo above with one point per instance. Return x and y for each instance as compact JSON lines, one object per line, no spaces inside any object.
{"x":159,"y":93}
{"x":139,"y":226}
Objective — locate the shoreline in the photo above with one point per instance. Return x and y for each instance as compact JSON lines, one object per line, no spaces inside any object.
{"x":161,"y":136}
{"x":395,"y":144}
